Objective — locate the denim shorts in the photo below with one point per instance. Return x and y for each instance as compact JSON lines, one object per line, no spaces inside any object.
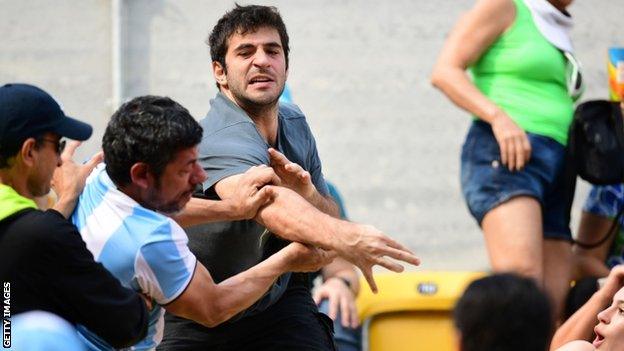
{"x":486,"y":183}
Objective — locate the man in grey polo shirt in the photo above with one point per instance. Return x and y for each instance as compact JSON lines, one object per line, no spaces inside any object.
{"x":249,"y":49}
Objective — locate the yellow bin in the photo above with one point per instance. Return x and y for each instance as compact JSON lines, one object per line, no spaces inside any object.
{"x":412,"y":311}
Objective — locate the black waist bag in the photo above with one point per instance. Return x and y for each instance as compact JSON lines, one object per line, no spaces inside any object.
{"x":596,"y":142}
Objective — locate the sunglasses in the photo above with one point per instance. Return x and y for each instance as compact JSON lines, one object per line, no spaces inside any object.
{"x":574,"y":76}
{"x":59,"y":144}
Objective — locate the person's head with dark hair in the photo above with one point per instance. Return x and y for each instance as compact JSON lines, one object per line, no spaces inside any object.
{"x":150,"y":151}
{"x":503,"y":312}
{"x":249,"y":50}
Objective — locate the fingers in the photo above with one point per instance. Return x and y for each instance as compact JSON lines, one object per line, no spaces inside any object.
{"x":333,"y":307}
{"x":265,"y":175}
{"x":277,"y":157}
{"x":503,"y":151}
{"x":399,"y":252}
{"x":522,"y":148}
{"x":345,"y":311}
{"x":389,"y":264}
{"x":355,"y":319}
{"x":70,"y":149}
{"x":368,"y":275}
{"x":94,"y":161}
{"x":401,"y":255}
{"x":297,"y":170}
{"x":526,"y":146}
{"x":326,"y":257}
{"x":262,"y":196}
{"x":317,"y":296}
{"x":515,"y":151}
{"x":305,"y":178}
{"x":511,"y":154}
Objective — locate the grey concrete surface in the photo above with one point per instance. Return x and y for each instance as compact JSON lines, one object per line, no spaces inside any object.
{"x":359,"y":69}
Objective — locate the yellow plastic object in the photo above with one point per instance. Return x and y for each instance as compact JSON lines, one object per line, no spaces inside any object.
{"x":412,"y":311}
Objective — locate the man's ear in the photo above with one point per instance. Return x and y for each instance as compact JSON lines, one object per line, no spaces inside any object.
{"x":27,"y":152}
{"x":219,"y":73}
{"x":141,"y":176}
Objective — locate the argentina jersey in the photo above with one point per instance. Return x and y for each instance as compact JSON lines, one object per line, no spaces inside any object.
{"x":145,"y":250}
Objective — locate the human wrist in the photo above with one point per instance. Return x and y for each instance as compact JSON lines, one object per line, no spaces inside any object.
{"x":309,"y":193}
{"x":495,"y":114}
{"x":280,"y":262}
{"x":345,"y":235}
{"x":603,"y":296}
{"x":65,"y":205}
{"x":234,"y":210}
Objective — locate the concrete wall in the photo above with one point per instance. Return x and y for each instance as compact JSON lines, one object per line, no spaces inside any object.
{"x":359,"y":69}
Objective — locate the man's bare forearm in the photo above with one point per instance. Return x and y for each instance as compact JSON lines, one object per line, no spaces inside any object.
{"x":293,"y":218}
{"x":199,"y":211}
{"x":325,"y":204}
{"x":211,"y":304}
{"x":237,"y":293}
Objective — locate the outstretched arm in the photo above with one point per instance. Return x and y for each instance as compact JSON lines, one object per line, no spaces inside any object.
{"x":211,"y":304}
{"x":293,"y":218}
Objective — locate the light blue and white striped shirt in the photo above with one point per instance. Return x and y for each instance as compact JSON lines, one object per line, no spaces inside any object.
{"x":145,"y":250}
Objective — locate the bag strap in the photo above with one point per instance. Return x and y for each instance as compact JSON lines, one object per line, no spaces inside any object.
{"x":612,"y":230}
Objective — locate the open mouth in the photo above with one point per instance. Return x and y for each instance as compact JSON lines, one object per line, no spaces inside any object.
{"x":260,"y":80}
{"x":598,"y":340}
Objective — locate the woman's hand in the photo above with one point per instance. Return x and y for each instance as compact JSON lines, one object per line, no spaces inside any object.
{"x":515,"y":148}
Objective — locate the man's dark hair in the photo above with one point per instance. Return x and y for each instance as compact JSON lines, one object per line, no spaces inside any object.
{"x":504,"y":312}
{"x":244,"y":19}
{"x":149,"y":129}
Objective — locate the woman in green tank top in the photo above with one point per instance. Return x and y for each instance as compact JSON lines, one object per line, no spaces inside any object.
{"x":518,"y":93}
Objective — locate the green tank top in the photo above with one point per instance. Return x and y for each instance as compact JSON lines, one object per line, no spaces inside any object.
{"x":525,"y":75}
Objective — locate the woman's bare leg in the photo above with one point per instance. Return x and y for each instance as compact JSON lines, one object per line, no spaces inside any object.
{"x":513,"y":237}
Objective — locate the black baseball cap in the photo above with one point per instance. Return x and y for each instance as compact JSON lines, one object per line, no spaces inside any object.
{"x":27,"y":111}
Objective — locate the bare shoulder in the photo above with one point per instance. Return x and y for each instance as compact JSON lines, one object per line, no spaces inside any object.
{"x":494,"y":6}
{"x":501,"y":12}
{"x":577,"y":345}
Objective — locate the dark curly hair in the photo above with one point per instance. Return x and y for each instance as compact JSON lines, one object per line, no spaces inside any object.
{"x":149,"y":129}
{"x":243,"y":19}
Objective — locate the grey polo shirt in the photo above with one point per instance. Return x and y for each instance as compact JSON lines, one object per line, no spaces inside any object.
{"x":230,"y":146}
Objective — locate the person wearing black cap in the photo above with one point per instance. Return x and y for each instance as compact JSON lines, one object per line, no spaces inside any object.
{"x":44,"y":264}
